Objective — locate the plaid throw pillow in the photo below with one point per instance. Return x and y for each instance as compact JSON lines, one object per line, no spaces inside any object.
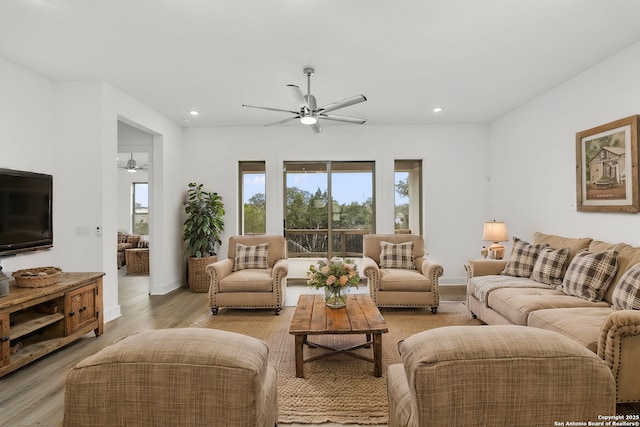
{"x":251,"y":256}
{"x":550,"y":266}
{"x":523,"y":258}
{"x":626,"y":295}
{"x":396,"y":255}
{"x":590,"y":274}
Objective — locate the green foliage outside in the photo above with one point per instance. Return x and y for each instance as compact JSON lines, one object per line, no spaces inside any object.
{"x":255,"y":215}
{"x":309,"y":211}
{"x":401,"y":212}
{"x":141,"y":225}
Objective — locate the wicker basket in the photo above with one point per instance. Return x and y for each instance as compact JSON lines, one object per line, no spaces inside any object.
{"x":37,"y":277}
{"x":137,"y":260}
{"x":198,"y":278}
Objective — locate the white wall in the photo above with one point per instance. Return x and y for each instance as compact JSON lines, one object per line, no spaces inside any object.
{"x":454,"y":173}
{"x":27,"y":143}
{"x":533,"y":162}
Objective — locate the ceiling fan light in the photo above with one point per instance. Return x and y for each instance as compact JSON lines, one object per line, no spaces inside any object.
{"x":131,"y":165}
{"x":308,"y":120}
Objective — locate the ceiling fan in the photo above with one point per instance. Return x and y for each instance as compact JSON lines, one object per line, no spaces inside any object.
{"x":309,"y":112}
{"x":132,"y":166}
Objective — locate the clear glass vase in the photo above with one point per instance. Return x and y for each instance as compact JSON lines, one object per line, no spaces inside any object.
{"x":335,"y":297}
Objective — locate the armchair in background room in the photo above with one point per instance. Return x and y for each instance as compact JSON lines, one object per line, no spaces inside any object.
{"x":398,"y":273}
{"x":253,"y":276}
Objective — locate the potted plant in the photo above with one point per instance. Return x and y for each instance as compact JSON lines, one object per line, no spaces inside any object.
{"x":202,"y":229}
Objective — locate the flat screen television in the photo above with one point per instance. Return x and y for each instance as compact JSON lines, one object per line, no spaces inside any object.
{"x":26,"y":211}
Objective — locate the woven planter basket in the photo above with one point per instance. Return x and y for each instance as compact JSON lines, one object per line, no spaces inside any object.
{"x":198,"y":278}
{"x":37,"y":277}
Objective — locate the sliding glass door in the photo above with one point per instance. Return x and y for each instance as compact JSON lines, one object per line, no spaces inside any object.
{"x":328,"y":207}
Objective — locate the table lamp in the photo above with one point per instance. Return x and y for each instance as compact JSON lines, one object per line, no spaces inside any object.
{"x":495,"y":231}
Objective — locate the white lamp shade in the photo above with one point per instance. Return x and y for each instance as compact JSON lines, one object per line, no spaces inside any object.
{"x":495,"y":231}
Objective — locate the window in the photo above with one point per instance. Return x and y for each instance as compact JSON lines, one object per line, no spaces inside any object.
{"x":408,"y":197}
{"x":328,"y":207}
{"x":253,"y":212}
{"x":140,"y":214}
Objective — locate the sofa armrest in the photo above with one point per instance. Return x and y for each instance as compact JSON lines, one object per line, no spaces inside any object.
{"x":619,"y":346}
{"x":280,"y":270}
{"x":371,"y":270}
{"x":485,"y":267}
{"x":217,"y":271}
{"x":430,"y":269}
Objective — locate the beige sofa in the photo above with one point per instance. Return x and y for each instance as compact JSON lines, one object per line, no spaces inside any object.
{"x":174,"y":377}
{"x":396,"y":286}
{"x":491,"y":376}
{"x":610,"y":332}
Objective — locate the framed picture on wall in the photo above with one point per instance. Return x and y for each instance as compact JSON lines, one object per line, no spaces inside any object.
{"x":607,"y":167}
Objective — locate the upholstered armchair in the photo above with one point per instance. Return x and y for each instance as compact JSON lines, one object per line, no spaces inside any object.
{"x":398,"y":273}
{"x":253,"y":276}
{"x":174,"y":377}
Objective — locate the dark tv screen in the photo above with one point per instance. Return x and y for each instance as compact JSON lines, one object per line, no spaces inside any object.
{"x":26,"y":211}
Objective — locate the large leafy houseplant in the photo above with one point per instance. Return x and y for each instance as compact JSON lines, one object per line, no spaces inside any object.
{"x":202,"y":229}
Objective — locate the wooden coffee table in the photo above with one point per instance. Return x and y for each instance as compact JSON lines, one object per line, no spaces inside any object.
{"x":360,"y":316}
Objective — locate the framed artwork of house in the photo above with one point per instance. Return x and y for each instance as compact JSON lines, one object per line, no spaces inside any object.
{"x":607,"y":167}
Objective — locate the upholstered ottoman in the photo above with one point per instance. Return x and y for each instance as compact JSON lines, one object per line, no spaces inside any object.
{"x":174,"y":377}
{"x":496,"y":376}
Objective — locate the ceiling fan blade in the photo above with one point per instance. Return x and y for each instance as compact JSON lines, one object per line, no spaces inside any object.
{"x":283,"y":121}
{"x":272,"y":109}
{"x":316,"y":127}
{"x":341,"y":104}
{"x":297,"y":94}
{"x":354,"y":120}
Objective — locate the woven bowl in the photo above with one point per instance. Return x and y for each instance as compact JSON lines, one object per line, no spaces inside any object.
{"x":37,"y":277}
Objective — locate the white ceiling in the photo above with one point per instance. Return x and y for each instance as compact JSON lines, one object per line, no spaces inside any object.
{"x":476,"y":59}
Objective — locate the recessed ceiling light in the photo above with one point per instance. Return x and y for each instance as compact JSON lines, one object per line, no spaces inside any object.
{"x":194,"y":112}
{"x":437,"y":109}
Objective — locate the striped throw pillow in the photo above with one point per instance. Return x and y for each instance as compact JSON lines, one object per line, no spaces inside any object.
{"x":523,"y":258}
{"x":590,"y":274}
{"x":626,"y":294}
{"x":550,"y":266}
{"x":251,"y":256}
{"x":396,"y":255}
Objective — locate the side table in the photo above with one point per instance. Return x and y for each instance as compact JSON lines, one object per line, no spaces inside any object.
{"x":137,"y":260}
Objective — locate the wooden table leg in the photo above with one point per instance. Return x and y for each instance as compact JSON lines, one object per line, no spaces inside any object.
{"x":377,"y":355}
{"x":300,"y":339}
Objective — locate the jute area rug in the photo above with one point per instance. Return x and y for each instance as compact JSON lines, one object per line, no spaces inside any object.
{"x":339,"y":389}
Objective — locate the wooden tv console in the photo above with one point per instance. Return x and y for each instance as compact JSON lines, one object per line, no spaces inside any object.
{"x":36,"y":321}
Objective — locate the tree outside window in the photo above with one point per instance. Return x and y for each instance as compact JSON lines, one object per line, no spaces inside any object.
{"x":408,"y":197}
{"x":253,"y":212}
